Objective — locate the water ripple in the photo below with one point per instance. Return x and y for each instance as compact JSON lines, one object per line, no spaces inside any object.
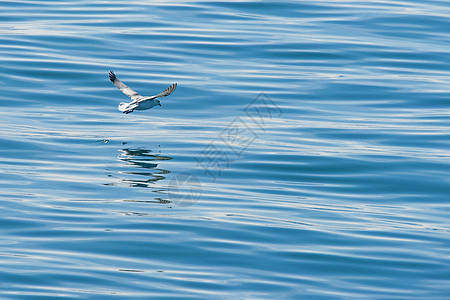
{"x":337,"y":188}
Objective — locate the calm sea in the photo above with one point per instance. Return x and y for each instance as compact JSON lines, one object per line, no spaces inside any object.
{"x":305,"y":153}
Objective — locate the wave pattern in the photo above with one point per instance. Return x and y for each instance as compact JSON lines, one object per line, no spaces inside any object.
{"x":331,"y":183}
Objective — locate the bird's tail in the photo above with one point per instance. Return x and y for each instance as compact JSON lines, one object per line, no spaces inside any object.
{"x":123,"y":106}
{"x":127,"y":107}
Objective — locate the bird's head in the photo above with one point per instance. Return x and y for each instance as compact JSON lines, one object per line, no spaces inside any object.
{"x":158,"y":102}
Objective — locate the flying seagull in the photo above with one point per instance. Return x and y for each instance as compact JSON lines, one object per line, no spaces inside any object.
{"x":138,"y":102}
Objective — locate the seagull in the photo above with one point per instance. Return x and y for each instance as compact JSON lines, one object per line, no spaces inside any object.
{"x":138,"y":102}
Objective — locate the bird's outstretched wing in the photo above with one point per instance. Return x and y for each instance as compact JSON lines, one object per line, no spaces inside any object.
{"x":167,"y":91}
{"x":123,"y":87}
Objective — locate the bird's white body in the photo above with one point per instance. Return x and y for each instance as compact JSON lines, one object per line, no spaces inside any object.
{"x":143,"y":104}
{"x":138,"y":102}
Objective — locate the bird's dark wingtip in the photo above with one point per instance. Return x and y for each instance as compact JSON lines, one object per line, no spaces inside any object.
{"x":112,"y":76}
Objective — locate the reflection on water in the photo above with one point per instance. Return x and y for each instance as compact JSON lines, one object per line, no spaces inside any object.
{"x":137,"y":168}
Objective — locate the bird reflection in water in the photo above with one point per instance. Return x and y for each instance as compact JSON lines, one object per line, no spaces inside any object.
{"x":140,"y":168}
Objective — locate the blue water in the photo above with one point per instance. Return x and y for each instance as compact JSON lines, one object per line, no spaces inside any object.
{"x":305,"y":153}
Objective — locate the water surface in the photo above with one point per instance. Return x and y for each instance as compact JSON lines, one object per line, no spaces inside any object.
{"x":304,"y":154}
